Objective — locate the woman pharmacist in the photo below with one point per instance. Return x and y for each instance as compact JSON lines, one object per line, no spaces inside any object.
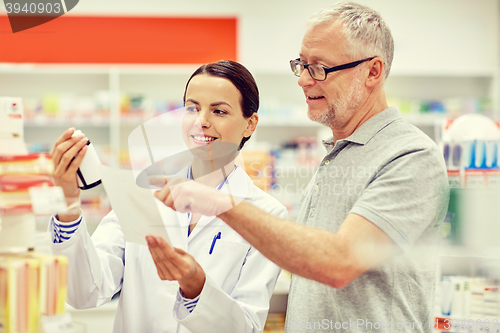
{"x":221,"y":287}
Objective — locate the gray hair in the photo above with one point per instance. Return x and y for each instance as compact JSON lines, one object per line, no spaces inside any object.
{"x":366,"y":32}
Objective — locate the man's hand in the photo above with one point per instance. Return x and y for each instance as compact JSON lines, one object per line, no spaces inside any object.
{"x":190,"y":196}
{"x":175,"y":264}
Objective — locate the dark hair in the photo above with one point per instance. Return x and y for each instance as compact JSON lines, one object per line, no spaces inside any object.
{"x":242,"y":80}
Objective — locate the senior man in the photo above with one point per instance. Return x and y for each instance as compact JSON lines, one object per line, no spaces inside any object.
{"x":375,"y":204}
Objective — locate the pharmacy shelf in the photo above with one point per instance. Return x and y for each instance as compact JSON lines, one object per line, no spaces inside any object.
{"x":425,"y":119}
{"x":465,"y":252}
{"x":278,"y":90}
{"x":63,"y":123}
{"x":92,"y":69}
{"x":459,"y":72}
{"x":422,"y":119}
{"x":189,"y":68}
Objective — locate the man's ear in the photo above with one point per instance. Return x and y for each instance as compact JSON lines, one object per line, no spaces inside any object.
{"x":376,"y":72}
{"x":252,"y":124}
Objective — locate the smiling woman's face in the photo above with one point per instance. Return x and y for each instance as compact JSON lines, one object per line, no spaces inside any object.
{"x":213,"y":114}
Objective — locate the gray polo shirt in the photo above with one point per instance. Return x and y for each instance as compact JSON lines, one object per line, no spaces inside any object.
{"x":392,"y":174}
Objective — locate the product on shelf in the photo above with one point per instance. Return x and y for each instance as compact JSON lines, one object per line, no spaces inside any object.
{"x":135,"y":108}
{"x":451,"y":107}
{"x":471,"y":145}
{"x":31,"y":285}
{"x":67,"y":108}
{"x":284,"y":172}
{"x":259,"y":167}
{"x":22,"y":286}
{"x":275,"y":323}
{"x":275,"y":109}
{"x":3,"y":297}
{"x":463,"y":297}
{"x":17,"y":175}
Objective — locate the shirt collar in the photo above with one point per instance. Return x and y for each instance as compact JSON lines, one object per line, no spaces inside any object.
{"x":368,"y":130}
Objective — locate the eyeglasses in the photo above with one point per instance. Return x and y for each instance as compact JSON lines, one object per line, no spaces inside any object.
{"x":319,"y":72}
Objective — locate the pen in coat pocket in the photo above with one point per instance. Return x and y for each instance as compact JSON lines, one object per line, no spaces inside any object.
{"x":216,"y":237}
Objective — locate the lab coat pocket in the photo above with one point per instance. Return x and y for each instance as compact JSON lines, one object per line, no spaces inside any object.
{"x":225,"y":263}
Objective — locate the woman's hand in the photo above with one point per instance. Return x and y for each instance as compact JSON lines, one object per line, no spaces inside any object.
{"x":67,"y":154}
{"x":176,"y":264}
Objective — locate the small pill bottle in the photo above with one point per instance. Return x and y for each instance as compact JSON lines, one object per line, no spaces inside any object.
{"x":88,"y":172}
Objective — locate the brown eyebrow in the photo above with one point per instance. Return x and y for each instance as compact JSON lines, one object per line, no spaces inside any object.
{"x":192,"y":101}
{"x":213,"y":104}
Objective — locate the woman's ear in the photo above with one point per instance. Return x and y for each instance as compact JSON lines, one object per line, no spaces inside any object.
{"x":252,"y":124}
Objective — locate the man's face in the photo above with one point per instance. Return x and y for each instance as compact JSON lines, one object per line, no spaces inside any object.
{"x":334,"y":101}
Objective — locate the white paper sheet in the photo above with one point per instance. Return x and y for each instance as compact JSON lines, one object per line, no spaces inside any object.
{"x":135,"y":206}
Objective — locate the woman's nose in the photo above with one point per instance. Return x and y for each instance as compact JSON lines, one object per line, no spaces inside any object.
{"x":202,"y":120}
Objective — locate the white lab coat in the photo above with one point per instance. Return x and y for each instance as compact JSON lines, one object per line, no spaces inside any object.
{"x":238,"y":287}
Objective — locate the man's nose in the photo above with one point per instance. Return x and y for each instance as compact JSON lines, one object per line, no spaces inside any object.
{"x":305,"y":79}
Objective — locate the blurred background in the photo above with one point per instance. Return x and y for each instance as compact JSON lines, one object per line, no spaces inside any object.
{"x":106,"y":67}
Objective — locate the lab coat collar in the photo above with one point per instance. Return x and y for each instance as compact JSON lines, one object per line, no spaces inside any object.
{"x":237,"y":184}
